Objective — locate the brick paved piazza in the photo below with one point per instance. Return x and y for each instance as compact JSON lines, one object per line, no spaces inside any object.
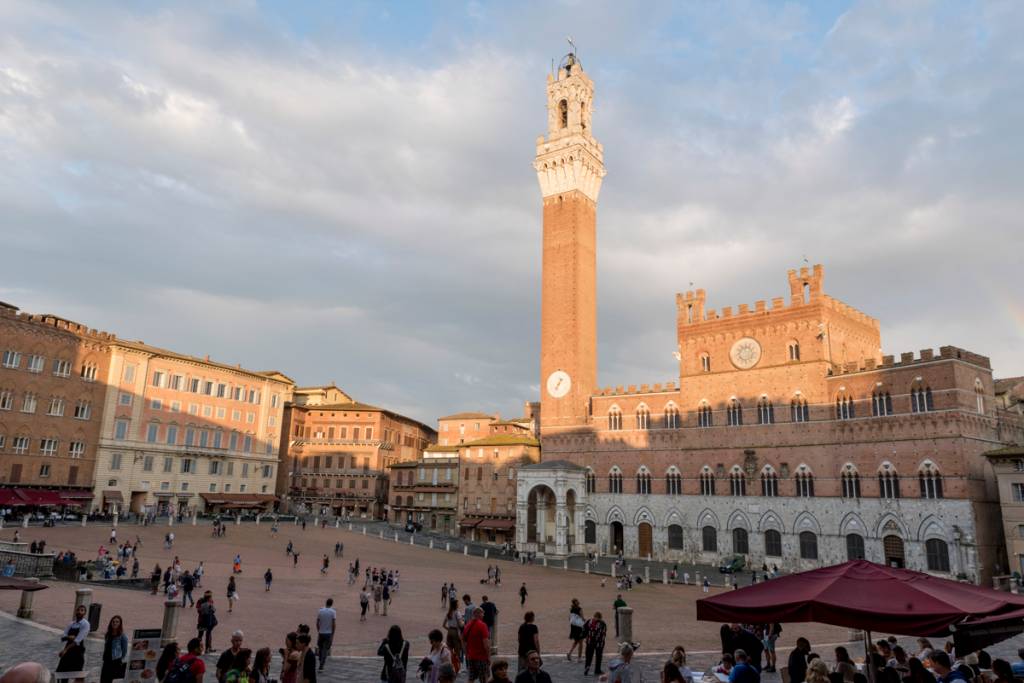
{"x":664,"y":614}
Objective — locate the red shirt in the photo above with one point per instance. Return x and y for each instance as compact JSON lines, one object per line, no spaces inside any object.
{"x":475,"y":634}
{"x":197,"y":665}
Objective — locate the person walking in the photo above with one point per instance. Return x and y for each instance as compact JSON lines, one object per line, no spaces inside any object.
{"x":576,"y":634}
{"x":188,"y":584}
{"x":490,"y":615}
{"x":378,"y":595}
{"x":325,"y":564}
{"x":232,"y":593}
{"x":364,"y":603}
{"x":386,"y":597}
{"x":395,"y":651}
{"x":619,"y":602}
{"x":522,"y":594}
{"x":154,"y":579}
{"x":707,"y":584}
{"x":326,"y":622}
{"x":113,"y":536}
{"x":529,"y":640}
{"x":268,"y":578}
{"x":444,"y":595}
{"x":72,"y":656}
{"x":115,"y":651}
{"x":477,"y":638}
{"x":198,"y":574}
{"x":594,"y":632}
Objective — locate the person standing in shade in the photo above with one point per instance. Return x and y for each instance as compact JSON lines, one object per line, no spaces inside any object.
{"x":226,"y":661}
{"x":72,"y":655}
{"x":207,"y":619}
{"x":619,"y":602}
{"x":522,"y":594}
{"x":395,"y":651}
{"x":378,"y":596}
{"x":268,"y":578}
{"x":364,"y":603}
{"x":326,"y":622}
{"x":115,"y":651}
{"x":232,"y":593}
{"x":533,"y":673}
{"x":188,"y":584}
{"x":478,"y":647}
{"x":707,"y":584}
{"x":385,"y":597}
{"x":797,"y":662}
{"x":308,"y":667}
{"x":594,"y":632}
{"x":529,"y":640}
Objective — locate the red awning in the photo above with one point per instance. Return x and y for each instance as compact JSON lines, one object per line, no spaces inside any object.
{"x":39,"y":497}
{"x":497,"y":524}
{"x":76,"y":495}
{"x":8,"y":498}
{"x":862,"y":595}
{"x":469,"y":523}
{"x":113,"y":496}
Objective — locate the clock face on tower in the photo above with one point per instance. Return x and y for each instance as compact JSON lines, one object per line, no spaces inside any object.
{"x":745,"y":353}
{"x":559,"y":384}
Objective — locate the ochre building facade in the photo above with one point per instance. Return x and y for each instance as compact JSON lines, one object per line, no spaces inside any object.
{"x":788,"y":437}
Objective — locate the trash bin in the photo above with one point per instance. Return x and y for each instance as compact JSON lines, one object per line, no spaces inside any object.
{"x":94,"y":617}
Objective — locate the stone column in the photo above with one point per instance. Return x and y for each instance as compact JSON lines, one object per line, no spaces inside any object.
{"x":25,"y":608}
{"x":561,"y":527}
{"x":625,"y":624}
{"x":542,"y":521}
{"x":195,"y":518}
{"x":116,"y":516}
{"x":586,"y":567}
{"x":522,"y":519}
{"x":664,"y":576}
{"x":169,"y":629}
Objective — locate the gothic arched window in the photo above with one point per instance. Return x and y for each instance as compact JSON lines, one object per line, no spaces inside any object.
{"x":851,"y":483}
{"x":765,"y":412}
{"x":979,"y":396}
{"x":643,"y":418}
{"x":921,"y":399}
{"x":705,"y":362}
{"x":707,"y":483}
{"x":804,"y":484}
{"x":591,"y":482}
{"x":643,"y":482}
{"x":563,"y":113}
{"x":615,"y":480}
{"x":881,"y":403}
{"x":737,"y":483}
{"x":614,"y":419}
{"x":673,"y":482}
{"x":769,"y":484}
{"x":798,"y":410}
{"x":671,"y":416}
{"x":888,"y":483}
{"x":930,"y":480}
{"x":794,"y":350}
{"x":844,"y":407}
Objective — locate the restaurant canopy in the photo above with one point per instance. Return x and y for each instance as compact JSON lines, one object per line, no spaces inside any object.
{"x":22,"y":497}
{"x":871,"y":597}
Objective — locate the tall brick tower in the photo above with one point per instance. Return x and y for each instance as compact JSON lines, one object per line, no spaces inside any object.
{"x":570,"y":167}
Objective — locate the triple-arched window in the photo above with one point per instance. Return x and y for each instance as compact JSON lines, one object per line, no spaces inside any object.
{"x":850,"y":480}
{"x":765,"y":412}
{"x":844,"y":407}
{"x":737,"y":482}
{"x":643,"y":482}
{"x":798,"y":410}
{"x":804,"y":483}
{"x":591,"y":481}
{"x":930,"y":481}
{"x":921,"y":399}
{"x":707,"y":482}
{"x":643,"y":417}
{"x":614,"y":419}
{"x":615,"y":480}
{"x":888,"y":482}
{"x":673,"y":482}
{"x":671,"y":416}
{"x":704,"y":415}
{"x":734,"y":413}
{"x":881,"y":403}
{"x":769,"y":484}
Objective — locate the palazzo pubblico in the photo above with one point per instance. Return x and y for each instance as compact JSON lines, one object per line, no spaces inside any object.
{"x":788,"y":439}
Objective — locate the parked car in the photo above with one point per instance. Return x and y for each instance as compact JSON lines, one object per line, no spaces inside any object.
{"x":732,"y":566}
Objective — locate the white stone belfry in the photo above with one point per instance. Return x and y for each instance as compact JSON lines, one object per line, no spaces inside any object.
{"x":570,"y":158}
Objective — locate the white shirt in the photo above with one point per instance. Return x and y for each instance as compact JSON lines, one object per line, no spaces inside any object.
{"x":325,"y":620}
{"x":83,"y":630}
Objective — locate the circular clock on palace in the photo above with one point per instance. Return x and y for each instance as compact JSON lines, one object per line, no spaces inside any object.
{"x":559,"y":384}
{"x":745,"y":353}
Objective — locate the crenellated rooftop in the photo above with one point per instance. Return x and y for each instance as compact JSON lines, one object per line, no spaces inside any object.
{"x":632,"y":389}
{"x":909,"y":358}
{"x":9,"y":311}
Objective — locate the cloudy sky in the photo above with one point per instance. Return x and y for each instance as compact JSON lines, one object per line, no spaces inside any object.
{"x":344,"y":191}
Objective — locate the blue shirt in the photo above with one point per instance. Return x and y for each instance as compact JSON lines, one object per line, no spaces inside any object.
{"x":744,"y":673}
{"x":1018,"y":668}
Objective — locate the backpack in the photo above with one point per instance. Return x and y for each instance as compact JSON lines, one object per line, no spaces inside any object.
{"x":396,"y":673}
{"x":181,"y":672}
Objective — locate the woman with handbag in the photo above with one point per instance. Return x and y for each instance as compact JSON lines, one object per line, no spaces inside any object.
{"x":576,"y":634}
{"x":115,"y":651}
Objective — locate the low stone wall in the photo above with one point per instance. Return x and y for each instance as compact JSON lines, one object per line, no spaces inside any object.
{"x":25,"y":563}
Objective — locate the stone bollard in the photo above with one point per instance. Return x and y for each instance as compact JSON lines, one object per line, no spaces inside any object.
{"x":613,"y":570}
{"x":257,"y":520}
{"x":664,"y":576}
{"x":238,"y":519}
{"x":696,"y":579}
{"x":24,"y":522}
{"x":350,"y":526}
{"x":296,"y":521}
{"x":485,"y":553}
{"x":337,"y":523}
{"x":84,"y":520}
{"x":586,"y":567}
{"x":465,"y":550}
{"x":25,"y":608}
{"x":447,"y":547}
{"x":116,"y":515}
{"x":494,"y":637}
{"x":396,"y":537}
{"x":195,"y":519}
{"x":545,"y":560}
{"x":170,"y":520}
{"x":83,"y":596}
{"x":382,"y":535}
{"x":412,"y":539}
{"x":169,"y":629}
{"x":364,"y":531}
{"x":625,"y":624}
{"x":565,"y":564}
{"x":431,"y":544}
{"x":1,"y":522}
{"x":647,"y":574}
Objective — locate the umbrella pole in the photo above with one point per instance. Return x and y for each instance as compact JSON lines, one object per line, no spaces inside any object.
{"x":868,"y":667}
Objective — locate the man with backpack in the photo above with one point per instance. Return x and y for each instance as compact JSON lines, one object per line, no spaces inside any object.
{"x":189,"y":667}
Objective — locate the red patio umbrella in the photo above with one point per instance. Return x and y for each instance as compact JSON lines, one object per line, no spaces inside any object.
{"x":867,"y":596}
